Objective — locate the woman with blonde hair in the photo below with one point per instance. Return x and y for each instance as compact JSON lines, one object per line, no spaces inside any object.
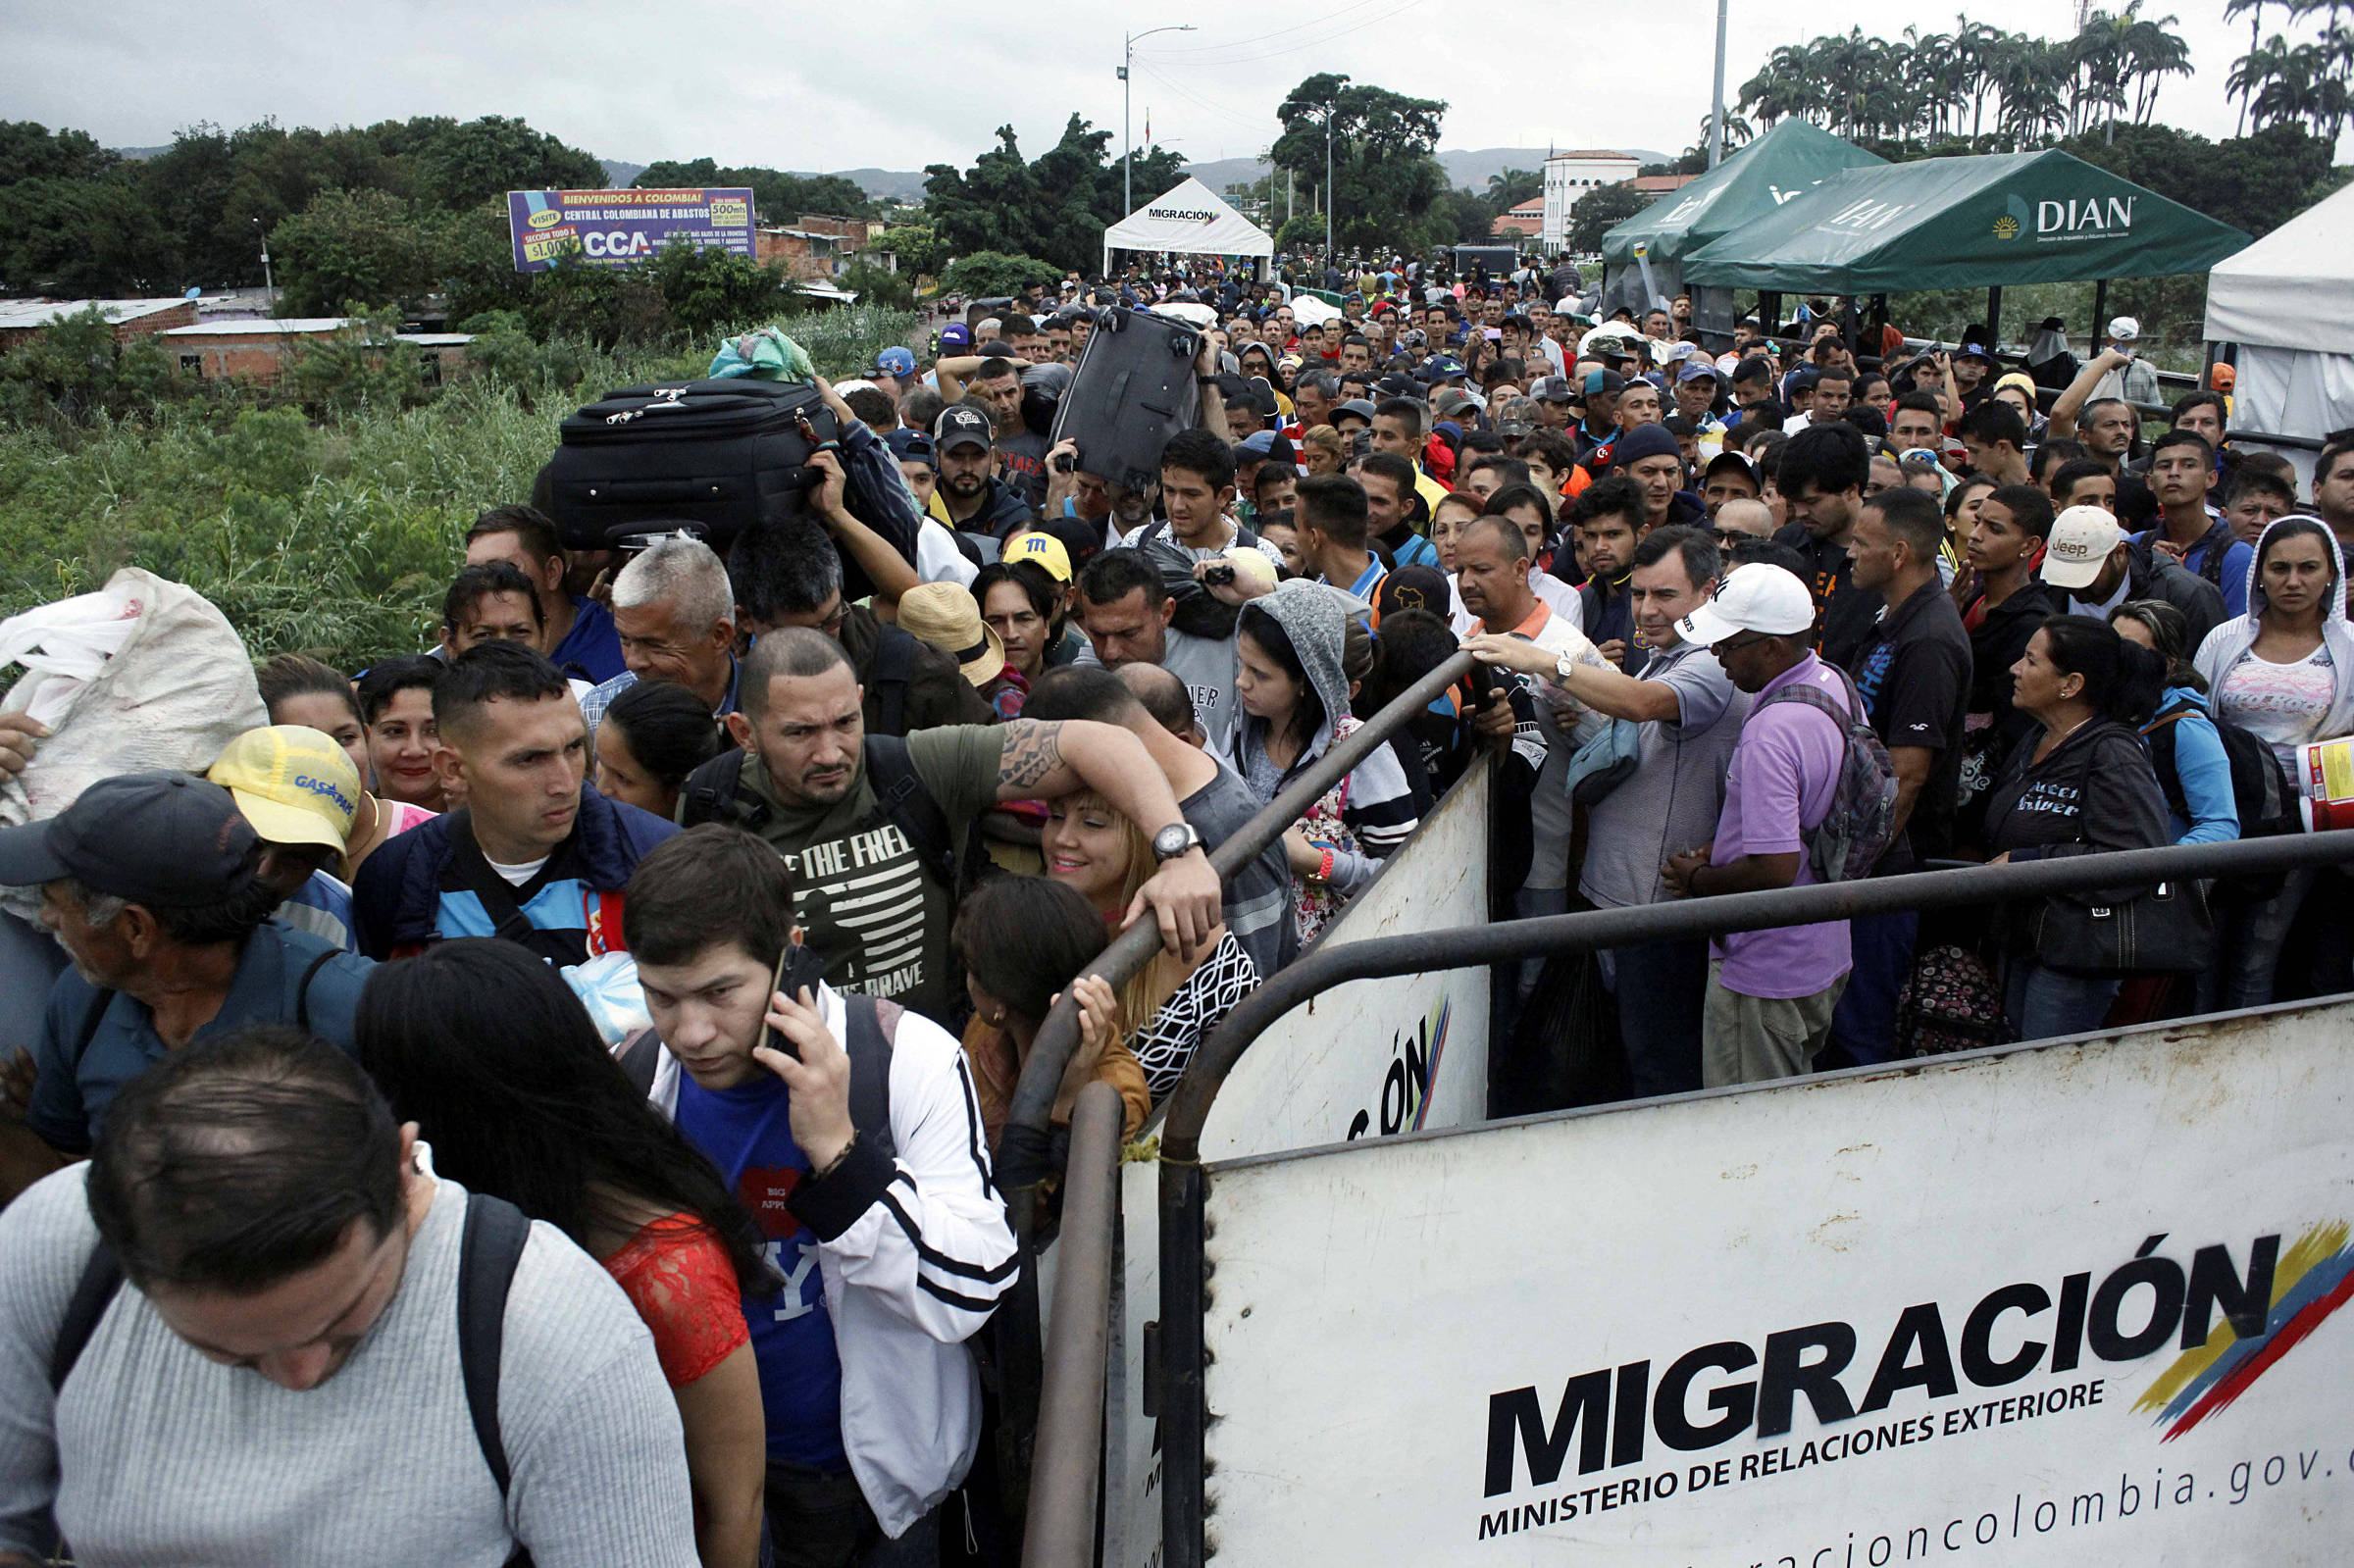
{"x":1166,"y":1009}
{"x":1322,"y":450}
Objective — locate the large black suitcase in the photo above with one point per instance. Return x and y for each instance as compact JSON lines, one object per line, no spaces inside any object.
{"x":716,"y":456}
{"x":1131,"y":391}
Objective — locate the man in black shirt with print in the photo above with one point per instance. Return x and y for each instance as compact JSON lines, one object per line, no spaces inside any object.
{"x":1913,"y":675}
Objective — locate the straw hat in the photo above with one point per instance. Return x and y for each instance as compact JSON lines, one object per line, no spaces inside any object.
{"x":947,"y":616}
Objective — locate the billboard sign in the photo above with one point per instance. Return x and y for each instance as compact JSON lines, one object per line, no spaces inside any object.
{"x":623,"y":227}
{"x":2071,"y":1304}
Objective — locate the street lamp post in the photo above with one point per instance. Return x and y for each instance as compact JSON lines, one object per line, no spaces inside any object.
{"x":269,"y":282}
{"x":1716,"y":103}
{"x":1127,"y":92}
{"x":1328,"y":109}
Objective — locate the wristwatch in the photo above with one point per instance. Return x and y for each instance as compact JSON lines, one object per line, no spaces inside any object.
{"x":1177,"y":838}
{"x":1562,"y":665}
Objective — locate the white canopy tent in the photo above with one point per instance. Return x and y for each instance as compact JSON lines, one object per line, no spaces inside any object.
{"x":1192,"y":220}
{"x":2286,"y":305}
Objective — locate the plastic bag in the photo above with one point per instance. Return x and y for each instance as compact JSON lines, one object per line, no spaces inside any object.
{"x":607,"y":986}
{"x":143,"y":675}
{"x":764,"y":354}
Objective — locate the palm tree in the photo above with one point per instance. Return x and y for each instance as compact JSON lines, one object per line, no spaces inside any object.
{"x":1976,"y":47}
{"x":2152,"y":54}
{"x":2255,"y":14}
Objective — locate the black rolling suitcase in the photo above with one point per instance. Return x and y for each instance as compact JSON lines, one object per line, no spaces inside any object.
{"x":1133,"y":389}
{"x":715,"y":456}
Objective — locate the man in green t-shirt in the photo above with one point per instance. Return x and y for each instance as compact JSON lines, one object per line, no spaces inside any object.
{"x":876,"y":914}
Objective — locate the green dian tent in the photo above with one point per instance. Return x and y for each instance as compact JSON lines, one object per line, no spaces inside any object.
{"x":1963,"y":223}
{"x":1778,"y":167}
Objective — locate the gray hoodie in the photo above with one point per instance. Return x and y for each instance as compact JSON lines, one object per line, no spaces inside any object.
{"x":1380,"y":807}
{"x":2235,"y":638}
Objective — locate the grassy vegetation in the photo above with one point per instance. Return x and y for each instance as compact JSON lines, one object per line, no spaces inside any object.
{"x":330,"y":528}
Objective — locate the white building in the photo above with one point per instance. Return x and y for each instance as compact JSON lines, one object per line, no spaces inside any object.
{"x":1570,"y":176}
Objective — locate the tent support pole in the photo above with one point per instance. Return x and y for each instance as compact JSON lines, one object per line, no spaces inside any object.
{"x":1994,"y":317}
{"x":2100,"y":309}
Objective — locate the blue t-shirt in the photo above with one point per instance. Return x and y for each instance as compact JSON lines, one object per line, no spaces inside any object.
{"x":747,"y":1132}
{"x":592,"y":647}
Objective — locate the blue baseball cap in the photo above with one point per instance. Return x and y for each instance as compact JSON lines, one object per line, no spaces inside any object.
{"x":896,"y":362}
{"x":956,"y":336}
{"x":911,"y":447}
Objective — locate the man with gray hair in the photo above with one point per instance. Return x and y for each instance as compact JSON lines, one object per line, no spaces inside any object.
{"x":1315,"y":395}
{"x":675,"y":613}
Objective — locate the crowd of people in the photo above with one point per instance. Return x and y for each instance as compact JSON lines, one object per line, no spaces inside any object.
{"x":645,"y":967}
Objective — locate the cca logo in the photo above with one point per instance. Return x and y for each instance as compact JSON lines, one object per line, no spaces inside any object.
{"x":616,"y":243}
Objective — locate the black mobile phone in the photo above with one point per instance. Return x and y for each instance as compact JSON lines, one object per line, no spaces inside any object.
{"x":1219,"y":576}
{"x":797,"y":968}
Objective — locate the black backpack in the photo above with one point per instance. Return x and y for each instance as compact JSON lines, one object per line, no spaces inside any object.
{"x":2261,"y":792}
{"x":489,"y":1250}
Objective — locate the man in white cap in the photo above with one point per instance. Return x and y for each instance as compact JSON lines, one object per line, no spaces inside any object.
{"x":2097,"y":565}
{"x":1771,"y":993}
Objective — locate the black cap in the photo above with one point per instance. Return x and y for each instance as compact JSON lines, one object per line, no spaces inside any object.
{"x":1413,"y":588}
{"x":958,"y":426}
{"x":168,"y":840}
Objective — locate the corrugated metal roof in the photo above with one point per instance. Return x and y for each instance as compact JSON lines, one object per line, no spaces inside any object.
{"x":438,"y":339}
{"x":24,"y":312}
{"x":281,"y":326}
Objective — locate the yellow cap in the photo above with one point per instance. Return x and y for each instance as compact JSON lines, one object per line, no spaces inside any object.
{"x":294,"y":784}
{"x":1044,"y":548}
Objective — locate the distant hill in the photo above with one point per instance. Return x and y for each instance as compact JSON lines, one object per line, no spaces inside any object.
{"x":1466,"y":170}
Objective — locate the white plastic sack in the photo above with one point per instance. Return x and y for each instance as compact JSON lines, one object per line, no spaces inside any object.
{"x":142,"y":674}
{"x":607,"y":986}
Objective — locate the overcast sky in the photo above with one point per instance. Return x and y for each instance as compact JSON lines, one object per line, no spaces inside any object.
{"x":898,"y":87}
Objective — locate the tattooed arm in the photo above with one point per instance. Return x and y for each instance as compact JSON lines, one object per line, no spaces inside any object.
{"x":1044,"y":759}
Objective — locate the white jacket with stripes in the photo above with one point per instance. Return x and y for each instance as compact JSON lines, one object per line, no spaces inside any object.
{"x":915,"y":1252}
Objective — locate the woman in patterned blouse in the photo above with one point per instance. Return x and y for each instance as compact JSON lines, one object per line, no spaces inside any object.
{"x":1173,"y":1001}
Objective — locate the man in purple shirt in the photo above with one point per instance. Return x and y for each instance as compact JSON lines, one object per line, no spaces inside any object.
{"x":1771,"y":993}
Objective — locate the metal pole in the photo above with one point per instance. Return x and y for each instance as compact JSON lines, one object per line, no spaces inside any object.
{"x":1128,"y":42}
{"x":1328,"y":109}
{"x":1716,"y":103}
{"x":1062,"y":1523}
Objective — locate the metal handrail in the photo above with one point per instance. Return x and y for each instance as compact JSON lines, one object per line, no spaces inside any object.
{"x":1060,"y":1531}
{"x":1184,"y":1190}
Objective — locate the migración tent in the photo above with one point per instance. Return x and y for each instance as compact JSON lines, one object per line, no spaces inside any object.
{"x":1782,"y":165}
{"x":1963,"y":223}
{"x":1192,"y":220}
{"x":2286,"y":303}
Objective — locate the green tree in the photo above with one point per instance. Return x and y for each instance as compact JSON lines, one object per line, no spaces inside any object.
{"x":777,"y":198}
{"x":1384,"y":177}
{"x":355,"y":245}
{"x":1513,"y":186}
{"x":1597,"y":213}
{"x":29,"y":151}
{"x":988,"y":272}
{"x":876,"y":285}
{"x":488,"y":156}
{"x":711,"y":291}
{"x":83,"y":237}
{"x":1056,"y":207}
